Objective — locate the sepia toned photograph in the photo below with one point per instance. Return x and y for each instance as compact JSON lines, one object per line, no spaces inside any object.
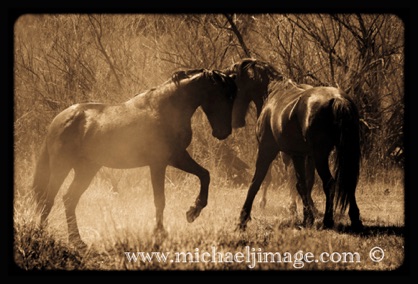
{"x":209,"y":142}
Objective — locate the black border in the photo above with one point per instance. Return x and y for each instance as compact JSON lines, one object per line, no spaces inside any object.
{"x":12,"y":11}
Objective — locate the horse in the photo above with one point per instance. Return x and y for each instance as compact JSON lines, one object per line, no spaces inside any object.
{"x":288,"y":168}
{"x":151,"y":129}
{"x":307,"y":123}
{"x":252,"y":77}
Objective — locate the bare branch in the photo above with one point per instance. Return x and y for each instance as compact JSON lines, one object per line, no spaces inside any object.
{"x":234,"y":28}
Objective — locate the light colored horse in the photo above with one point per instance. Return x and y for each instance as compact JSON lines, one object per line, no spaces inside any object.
{"x":151,"y":129}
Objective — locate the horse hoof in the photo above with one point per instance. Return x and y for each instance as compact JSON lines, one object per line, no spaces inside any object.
{"x":308,"y":221}
{"x":79,"y":244}
{"x":243,"y":220}
{"x":193,"y":213}
{"x":160,"y":233}
{"x":328,"y":224}
{"x":241,"y":227}
{"x":307,"y":224}
{"x":357,"y":227}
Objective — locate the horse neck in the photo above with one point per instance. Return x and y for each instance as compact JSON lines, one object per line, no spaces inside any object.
{"x":177,"y":101}
{"x":259,"y":97}
{"x":186,"y":100}
{"x":259,"y":105}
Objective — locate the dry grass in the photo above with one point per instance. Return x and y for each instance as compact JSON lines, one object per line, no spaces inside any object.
{"x":114,"y":223}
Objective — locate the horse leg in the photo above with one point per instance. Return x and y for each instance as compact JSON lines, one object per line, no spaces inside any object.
{"x":184,"y":162}
{"x":157,"y":180}
{"x":301,"y":186}
{"x":84,"y":171}
{"x":310,"y":180}
{"x":57,"y":176}
{"x":293,"y":191}
{"x":354,"y":214}
{"x":293,"y":208}
{"x":267,"y":152}
{"x":265,"y":186}
{"x":328,"y":184}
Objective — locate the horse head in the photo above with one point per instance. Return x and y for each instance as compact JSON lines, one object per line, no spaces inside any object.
{"x":252,"y":77}
{"x":218,"y":102}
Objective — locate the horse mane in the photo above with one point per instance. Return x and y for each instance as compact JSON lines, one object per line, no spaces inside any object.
{"x":216,"y":76}
{"x":177,"y":76}
{"x":254,"y":69}
{"x":226,"y":80}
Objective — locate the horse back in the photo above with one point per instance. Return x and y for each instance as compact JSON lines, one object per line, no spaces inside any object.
{"x":301,"y":115}
{"x":116,"y":136}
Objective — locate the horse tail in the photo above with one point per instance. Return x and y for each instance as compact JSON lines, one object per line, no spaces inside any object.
{"x":347,"y":162}
{"x":41,"y":177}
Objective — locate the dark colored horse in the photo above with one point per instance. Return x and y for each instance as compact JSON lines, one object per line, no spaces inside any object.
{"x":151,"y":129}
{"x":288,"y":167}
{"x":253,"y":78}
{"x":303,"y":123}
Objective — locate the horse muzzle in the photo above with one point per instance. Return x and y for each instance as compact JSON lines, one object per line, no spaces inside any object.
{"x":221,"y":135}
